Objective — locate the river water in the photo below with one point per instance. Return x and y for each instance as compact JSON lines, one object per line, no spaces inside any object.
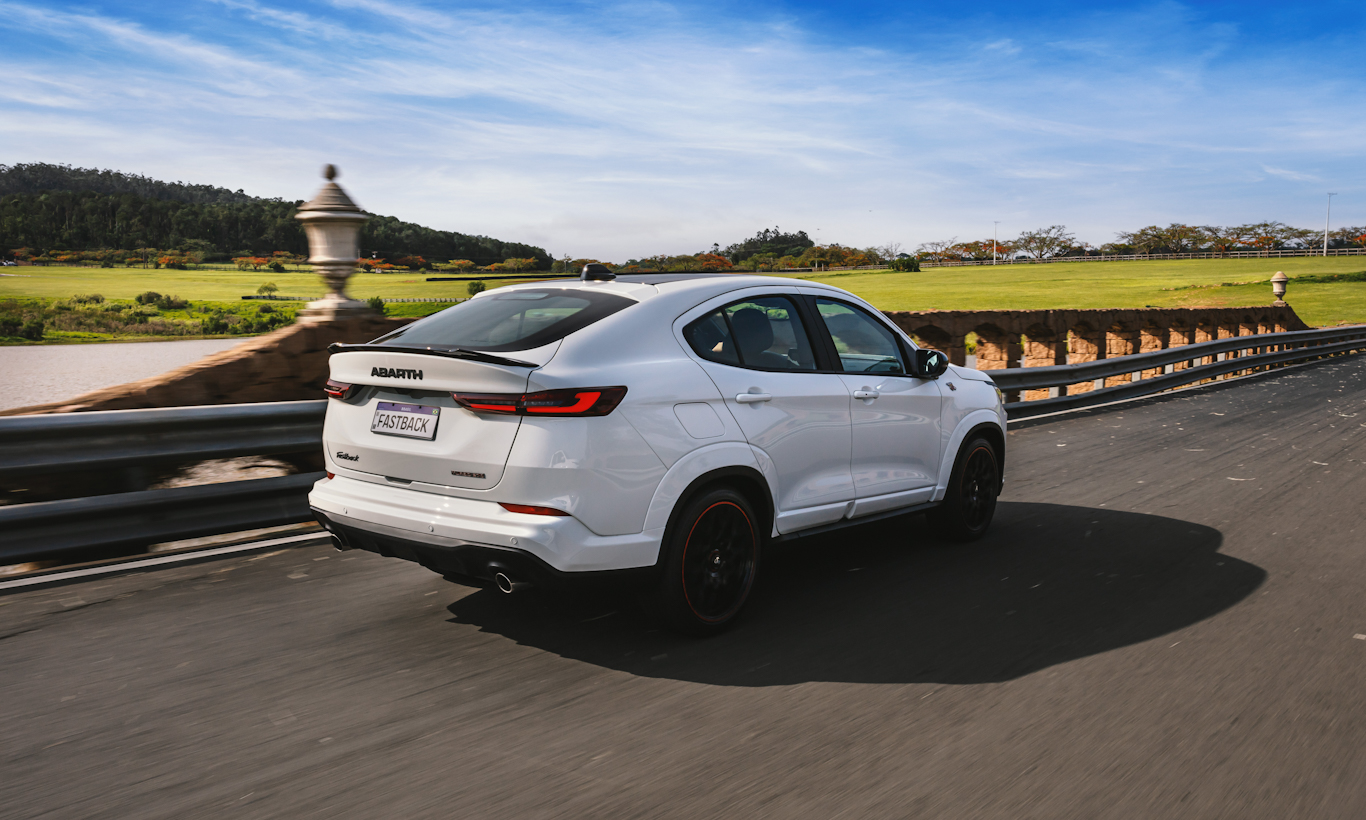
{"x":42,"y":373}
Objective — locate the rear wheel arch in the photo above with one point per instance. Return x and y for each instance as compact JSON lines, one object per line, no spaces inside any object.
{"x":747,"y":481}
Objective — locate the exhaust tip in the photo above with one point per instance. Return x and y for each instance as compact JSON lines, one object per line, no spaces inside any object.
{"x":507,"y":584}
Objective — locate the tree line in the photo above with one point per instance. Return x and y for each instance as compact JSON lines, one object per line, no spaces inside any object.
{"x":57,"y":208}
{"x":770,"y":249}
{"x":1056,"y":241}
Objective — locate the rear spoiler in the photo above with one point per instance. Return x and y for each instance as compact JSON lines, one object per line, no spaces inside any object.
{"x":449,"y":353}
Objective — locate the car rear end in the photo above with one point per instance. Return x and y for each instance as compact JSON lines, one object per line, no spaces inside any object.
{"x":448,"y":444}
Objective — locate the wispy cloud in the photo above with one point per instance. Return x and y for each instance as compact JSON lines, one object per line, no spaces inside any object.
{"x":652,"y":127}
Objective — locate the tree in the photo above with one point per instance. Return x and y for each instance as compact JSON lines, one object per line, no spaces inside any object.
{"x":253,"y":262}
{"x":1267,"y":236}
{"x":1347,"y":237}
{"x":768,"y":241}
{"x":267,"y":289}
{"x":888,"y":252}
{"x":462,"y":265}
{"x":1181,"y":238}
{"x":940,"y":250}
{"x":1044,"y":243}
{"x":713,"y":262}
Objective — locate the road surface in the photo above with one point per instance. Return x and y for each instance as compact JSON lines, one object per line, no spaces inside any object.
{"x":1167,"y":620}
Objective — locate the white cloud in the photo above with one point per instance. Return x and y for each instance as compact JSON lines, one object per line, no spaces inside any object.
{"x":644,"y":130}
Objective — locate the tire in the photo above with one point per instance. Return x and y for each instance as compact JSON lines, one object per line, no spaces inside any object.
{"x":711,"y":559}
{"x":970,"y":502}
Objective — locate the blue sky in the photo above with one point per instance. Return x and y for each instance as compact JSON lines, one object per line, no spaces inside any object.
{"x":622,"y":129}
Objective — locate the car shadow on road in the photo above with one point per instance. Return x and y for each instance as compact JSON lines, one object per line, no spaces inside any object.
{"x":888,"y":603}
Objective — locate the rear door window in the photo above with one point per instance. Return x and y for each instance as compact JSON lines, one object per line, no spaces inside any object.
{"x":511,"y":320}
{"x":763,"y":333}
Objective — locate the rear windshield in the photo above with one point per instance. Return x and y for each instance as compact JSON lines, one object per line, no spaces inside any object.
{"x":512,"y":320}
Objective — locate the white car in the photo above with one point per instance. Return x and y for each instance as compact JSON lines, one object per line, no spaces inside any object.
{"x":670,"y":426}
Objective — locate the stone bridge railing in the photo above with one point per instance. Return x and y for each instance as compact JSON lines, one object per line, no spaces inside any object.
{"x":1039,"y":338}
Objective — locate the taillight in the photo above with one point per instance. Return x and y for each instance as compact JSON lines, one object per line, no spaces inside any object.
{"x":530,"y":509}
{"x":576,"y":401}
{"x":331,"y":475}
{"x":337,"y":390}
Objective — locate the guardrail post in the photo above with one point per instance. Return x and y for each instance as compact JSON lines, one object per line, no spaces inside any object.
{"x":1043,"y":348}
{"x":1179,"y":335}
{"x":1084,"y":345}
{"x":1120,"y":340}
{"x":1151,"y":338}
{"x":998,"y":350}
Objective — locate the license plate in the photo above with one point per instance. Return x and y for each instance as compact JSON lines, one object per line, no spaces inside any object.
{"x":407,"y":420}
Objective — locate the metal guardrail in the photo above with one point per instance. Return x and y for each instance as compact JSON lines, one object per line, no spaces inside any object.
{"x":125,"y":447}
{"x":129,"y":442}
{"x":122,"y":439}
{"x":51,"y":529}
{"x":1271,"y":349}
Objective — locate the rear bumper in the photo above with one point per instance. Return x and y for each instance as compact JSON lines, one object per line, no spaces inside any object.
{"x":436,"y":528}
{"x":473,"y":564}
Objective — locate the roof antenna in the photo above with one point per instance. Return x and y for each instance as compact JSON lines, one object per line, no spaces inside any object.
{"x":597,"y":272}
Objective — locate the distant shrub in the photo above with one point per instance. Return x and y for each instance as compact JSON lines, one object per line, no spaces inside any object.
{"x":276,"y":266}
{"x":377,"y":303}
{"x":265,"y":309}
{"x":171,"y":303}
{"x":148,"y":298}
{"x":30,"y":329}
{"x":87,"y":298}
{"x":906,"y":263}
{"x":475,"y":287}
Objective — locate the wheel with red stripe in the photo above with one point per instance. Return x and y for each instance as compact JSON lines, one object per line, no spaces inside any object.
{"x":712,"y":556}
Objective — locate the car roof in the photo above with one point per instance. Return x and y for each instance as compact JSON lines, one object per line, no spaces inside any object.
{"x":643,"y":286}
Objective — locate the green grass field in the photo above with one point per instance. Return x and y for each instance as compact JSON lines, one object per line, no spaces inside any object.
{"x":1116,"y":285}
{"x":1019,"y":287}
{"x":210,"y":285}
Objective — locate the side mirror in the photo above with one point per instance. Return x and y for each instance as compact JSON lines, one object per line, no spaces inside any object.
{"x":929,"y":364}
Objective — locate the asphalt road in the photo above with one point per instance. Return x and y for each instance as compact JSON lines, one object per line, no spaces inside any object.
{"x":1166,"y":621}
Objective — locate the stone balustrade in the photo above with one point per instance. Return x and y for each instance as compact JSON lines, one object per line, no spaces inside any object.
{"x":1040,"y":338}
{"x":291,"y":363}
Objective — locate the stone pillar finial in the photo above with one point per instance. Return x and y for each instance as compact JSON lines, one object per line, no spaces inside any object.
{"x":333,"y":222}
{"x":1278,"y":283}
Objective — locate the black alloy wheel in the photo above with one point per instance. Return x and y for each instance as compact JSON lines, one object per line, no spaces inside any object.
{"x":970,"y":502}
{"x":713,"y":556}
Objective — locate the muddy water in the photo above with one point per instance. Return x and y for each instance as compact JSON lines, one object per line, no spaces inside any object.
{"x":40,"y":374}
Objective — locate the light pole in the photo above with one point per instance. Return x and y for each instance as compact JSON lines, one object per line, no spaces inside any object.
{"x":1326,"y":217}
{"x":994,"y":226}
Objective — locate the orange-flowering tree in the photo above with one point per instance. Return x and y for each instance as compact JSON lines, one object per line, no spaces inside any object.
{"x":714,"y":262}
{"x":1266,"y":236}
{"x":253,"y":262}
{"x":412,"y":262}
{"x":462,"y":265}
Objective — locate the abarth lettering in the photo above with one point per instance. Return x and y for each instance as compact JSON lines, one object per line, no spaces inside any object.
{"x":395,"y":373}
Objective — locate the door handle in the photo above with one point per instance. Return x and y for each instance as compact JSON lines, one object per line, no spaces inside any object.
{"x":750,"y":398}
{"x":866,"y":394}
